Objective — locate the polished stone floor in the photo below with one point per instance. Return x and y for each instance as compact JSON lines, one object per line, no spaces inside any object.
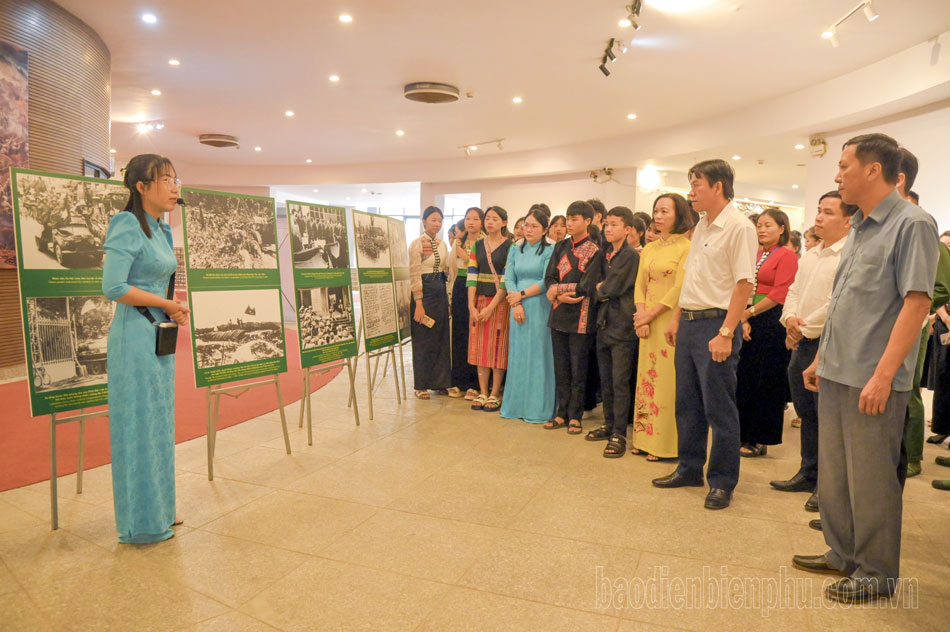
{"x":436,"y":517}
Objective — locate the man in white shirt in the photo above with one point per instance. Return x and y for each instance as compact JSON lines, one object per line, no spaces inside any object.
{"x":804,"y":317}
{"x":720,"y":268}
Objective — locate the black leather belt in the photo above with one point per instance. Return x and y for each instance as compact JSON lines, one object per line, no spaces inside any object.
{"x":701,"y":314}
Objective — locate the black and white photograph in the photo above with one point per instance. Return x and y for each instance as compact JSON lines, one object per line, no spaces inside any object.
{"x":63,"y":222}
{"x":318,"y":236}
{"x":325,"y":316}
{"x":397,"y":242}
{"x":379,"y":311}
{"x":372,"y":240}
{"x":68,"y":337}
{"x":403,"y":305}
{"x":227,"y":232}
{"x":236,"y":326}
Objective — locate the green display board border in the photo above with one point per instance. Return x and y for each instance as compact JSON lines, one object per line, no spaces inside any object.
{"x":338,"y":350}
{"x":67,"y":399}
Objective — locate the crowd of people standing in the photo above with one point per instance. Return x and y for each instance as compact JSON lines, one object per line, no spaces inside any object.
{"x":694,"y":318}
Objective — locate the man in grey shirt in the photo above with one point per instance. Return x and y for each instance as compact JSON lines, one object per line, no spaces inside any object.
{"x":866,"y":363}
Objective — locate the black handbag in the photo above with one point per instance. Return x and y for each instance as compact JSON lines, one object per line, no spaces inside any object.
{"x":166,"y":331}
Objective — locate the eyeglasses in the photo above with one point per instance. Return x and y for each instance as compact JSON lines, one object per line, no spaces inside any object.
{"x":168,"y":181}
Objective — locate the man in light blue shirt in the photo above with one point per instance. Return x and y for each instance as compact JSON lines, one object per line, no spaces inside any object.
{"x":865,"y":363}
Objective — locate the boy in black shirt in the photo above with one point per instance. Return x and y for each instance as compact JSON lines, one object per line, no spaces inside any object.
{"x":571,"y":278}
{"x":616,"y":339}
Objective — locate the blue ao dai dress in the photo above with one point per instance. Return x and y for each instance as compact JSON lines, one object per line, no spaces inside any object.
{"x":141,"y":384}
{"x":529,"y":389}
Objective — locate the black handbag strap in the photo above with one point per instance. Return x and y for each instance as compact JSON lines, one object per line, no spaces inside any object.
{"x":169,"y":294}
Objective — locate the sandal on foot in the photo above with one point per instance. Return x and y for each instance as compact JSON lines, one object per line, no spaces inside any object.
{"x":656,"y":459}
{"x":574,"y":427}
{"x":455,"y":391}
{"x":797,"y":422}
{"x":479,"y":402}
{"x":491,"y":404}
{"x":423,"y":395}
{"x":753,"y":449}
{"x":471,"y":394}
{"x":178,"y":522}
{"x":616,"y":446}
{"x":554,"y":424}
{"x":598,"y":434}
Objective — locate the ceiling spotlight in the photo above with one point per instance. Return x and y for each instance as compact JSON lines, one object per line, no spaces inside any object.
{"x":631,"y":116}
{"x":610,"y":54}
{"x":141,"y":128}
{"x":869,"y":11}
{"x":794,"y":186}
{"x":174,"y":62}
{"x":346,"y":18}
{"x":832,"y":36}
{"x":257,"y":149}
{"x":500,"y":148}
{"x":517,"y":100}
{"x":400,"y":132}
{"x":316,"y":190}
{"x":289,"y":113}
{"x":799,"y":146}
{"x":149,"y":18}
{"x":634,"y":24}
{"x":603,"y":66}
{"x":473,"y":147}
{"x":626,"y":22}
{"x":156,"y":92}
{"x":468,"y":152}
{"x":111,"y":151}
{"x":334,"y":78}
{"x":159,"y":126}
{"x":308,"y":162}
{"x":737,"y":157}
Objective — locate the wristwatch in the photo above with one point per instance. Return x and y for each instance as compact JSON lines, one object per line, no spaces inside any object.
{"x":522,"y":293}
{"x":725,"y":332}
{"x":751,"y":310}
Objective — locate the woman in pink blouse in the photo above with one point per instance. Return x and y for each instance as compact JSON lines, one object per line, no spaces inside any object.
{"x":762,"y":389}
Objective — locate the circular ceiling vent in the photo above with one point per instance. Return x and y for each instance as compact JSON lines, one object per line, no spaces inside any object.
{"x":429,"y":92}
{"x":219,"y":140}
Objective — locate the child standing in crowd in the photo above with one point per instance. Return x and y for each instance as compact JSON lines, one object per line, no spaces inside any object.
{"x":572,"y":276}
{"x":616,"y":341}
{"x":488,"y":309}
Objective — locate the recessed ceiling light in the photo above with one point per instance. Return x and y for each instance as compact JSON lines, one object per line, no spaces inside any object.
{"x":400,"y":132}
{"x":631,"y":116}
{"x":111,"y":151}
{"x":142,"y":128}
{"x":334,"y":78}
{"x":737,"y":157}
{"x":309,"y":161}
{"x":347,"y":198}
{"x":149,"y":18}
{"x":174,"y":62}
{"x":316,"y":190}
{"x":257,"y":149}
{"x":517,"y":100}
{"x":794,"y":186}
{"x":346,"y":18}
{"x":289,"y":113}
{"x":473,"y":147}
{"x":799,"y":146}
{"x":362,"y":190}
{"x":156,"y":92}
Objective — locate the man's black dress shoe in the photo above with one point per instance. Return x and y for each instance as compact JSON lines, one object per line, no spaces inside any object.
{"x":937,"y":438}
{"x":797,"y":483}
{"x":718,"y":499}
{"x":815,"y":524}
{"x":677,"y":480}
{"x":815,"y":564}
{"x":812,"y":503}
{"x":851,"y":590}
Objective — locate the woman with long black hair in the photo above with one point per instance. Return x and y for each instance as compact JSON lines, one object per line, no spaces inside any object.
{"x":428,"y":272}
{"x":464,"y":375}
{"x":138,"y":265}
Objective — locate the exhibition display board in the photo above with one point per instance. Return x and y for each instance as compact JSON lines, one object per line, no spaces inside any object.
{"x":60,"y":225}
{"x":323,"y":285}
{"x":233,"y":286}
{"x":401,"y":283}
{"x":374,"y":265}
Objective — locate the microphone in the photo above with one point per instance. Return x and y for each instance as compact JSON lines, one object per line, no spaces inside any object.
{"x":180,"y":202}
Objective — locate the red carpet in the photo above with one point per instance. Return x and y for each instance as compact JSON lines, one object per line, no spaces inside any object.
{"x":24,"y":440}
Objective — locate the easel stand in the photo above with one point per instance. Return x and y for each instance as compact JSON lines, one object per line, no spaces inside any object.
{"x":402,"y":365}
{"x":371,"y":373}
{"x":305,"y":400}
{"x":53,"y":482}
{"x":215,"y":392}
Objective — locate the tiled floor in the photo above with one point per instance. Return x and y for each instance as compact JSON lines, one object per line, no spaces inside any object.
{"x":435,"y":517}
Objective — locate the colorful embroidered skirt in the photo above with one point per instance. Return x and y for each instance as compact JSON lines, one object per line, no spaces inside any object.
{"x":488,"y":341}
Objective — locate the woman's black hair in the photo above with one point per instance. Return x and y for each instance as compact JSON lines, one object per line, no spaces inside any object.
{"x":143,"y":168}
{"x":544,"y":208}
{"x":640,"y":227}
{"x":481,"y":219}
{"x":796,"y":240}
{"x":646,"y":218}
{"x":542,"y":219}
{"x":556,"y":219}
{"x":430,"y":210}
{"x":684,"y":219}
{"x":782,"y":220}
{"x":503,"y":214}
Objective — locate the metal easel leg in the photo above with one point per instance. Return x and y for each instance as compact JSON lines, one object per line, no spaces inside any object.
{"x":303,"y":399}
{"x":53,"y":492}
{"x":82,"y":451}
{"x":369,"y":387}
{"x":283,"y":417}
{"x":395,"y":373}
{"x":402,"y":365}
{"x":351,"y":371}
{"x":208,"y":439}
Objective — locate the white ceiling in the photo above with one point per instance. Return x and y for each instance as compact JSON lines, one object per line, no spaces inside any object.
{"x":244,"y":63}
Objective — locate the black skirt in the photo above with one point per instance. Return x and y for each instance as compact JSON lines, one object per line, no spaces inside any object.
{"x":464,"y":375}
{"x":431,"y":365}
{"x":940,"y":372}
{"x":762,"y":380}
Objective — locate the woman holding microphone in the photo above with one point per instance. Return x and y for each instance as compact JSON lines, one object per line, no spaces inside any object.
{"x":138,"y":265}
